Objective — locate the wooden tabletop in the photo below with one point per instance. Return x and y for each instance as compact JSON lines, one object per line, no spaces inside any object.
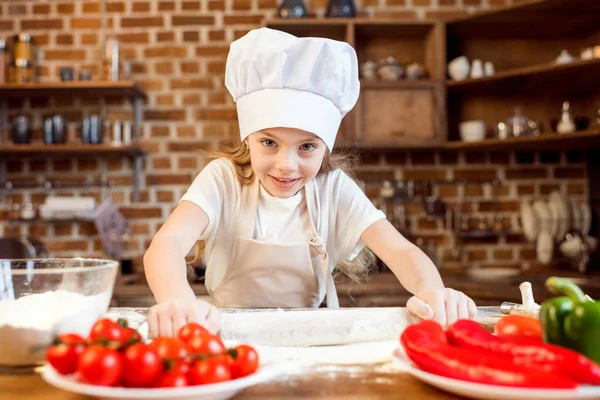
{"x":323,"y":382}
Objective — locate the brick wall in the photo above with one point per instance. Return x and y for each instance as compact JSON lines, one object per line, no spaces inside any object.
{"x":177,"y":51}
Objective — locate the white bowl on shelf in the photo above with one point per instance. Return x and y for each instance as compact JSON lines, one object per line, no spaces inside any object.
{"x":459,"y":68}
{"x":472,"y":131}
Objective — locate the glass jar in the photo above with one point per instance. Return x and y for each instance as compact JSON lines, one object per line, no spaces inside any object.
{"x":21,"y":71}
{"x":518,"y":123}
{"x":24,"y":47}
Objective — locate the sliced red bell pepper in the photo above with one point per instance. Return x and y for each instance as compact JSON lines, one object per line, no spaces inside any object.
{"x":469,"y":334}
{"x":426,"y":345}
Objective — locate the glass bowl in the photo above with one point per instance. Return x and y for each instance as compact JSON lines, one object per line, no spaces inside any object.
{"x":43,"y":298}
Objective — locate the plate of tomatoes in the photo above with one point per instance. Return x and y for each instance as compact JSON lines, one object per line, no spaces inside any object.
{"x":114,"y":362}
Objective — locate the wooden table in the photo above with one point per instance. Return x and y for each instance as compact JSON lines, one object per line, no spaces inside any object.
{"x":321,"y":382}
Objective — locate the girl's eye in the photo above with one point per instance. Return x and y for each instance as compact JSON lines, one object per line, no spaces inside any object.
{"x":307,"y":147}
{"x":268,"y":143}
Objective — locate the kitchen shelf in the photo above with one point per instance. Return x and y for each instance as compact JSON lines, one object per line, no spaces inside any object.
{"x":550,"y":141}
{"x":16,"y":150}
{"x":50,"y":221}
{"x":366,"y":84}
{"x":575,"y":76}
{"x":72,"y":89}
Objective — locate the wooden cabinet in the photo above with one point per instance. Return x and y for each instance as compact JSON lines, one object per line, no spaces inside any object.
{"x":523,"y":42}
{"x":389,"y":114}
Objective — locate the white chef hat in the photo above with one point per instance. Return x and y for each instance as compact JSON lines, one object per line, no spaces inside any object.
{"x":279,"y":80}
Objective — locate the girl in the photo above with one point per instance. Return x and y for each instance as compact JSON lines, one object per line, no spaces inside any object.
{"x":277,"y":214}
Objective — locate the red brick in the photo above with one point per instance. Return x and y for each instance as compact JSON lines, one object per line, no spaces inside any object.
{"x":91,"y":7}
{"x":190,"y":67}
{"x":189,"y":83}
{"x":186,"y":131}
{"x":191,"y":99}
{"x":151,"y":85}
{"x":62,"y":165}
{"x":89,"y":38}
{"x":161,"y":163}
{"x":563,"y":173}
{"x":139,"y":37}
{"x":471,"y":2}
{"x":165,"y":115}
{"x":139,"y":213}
{"x":212,"y":50}
{"x":218,"y":98}
{"x":242,"y":5}
{"x":242,"y":19}
{"x":166,"y":51}
{"x":190,"y":5}
{"x":145,"y":22}
{"x":141,"y":6}
{"x":6,"y":25}
{"x":86,"y":23}
{"x":139,"y":68}
{"x":168,"y":179}
{"x":503,"y":254}
{"x":497,"y":3}
{"x":526,"y":173}
{"x":165,"y":100}
{"x":422,"y":158}
{"x":164,"y":196}
{"x":165,"y":37}
{"x":66,"y":245}
{"x":475,"y":174}
{"x":549,"y":188}
{"x":575,"y":188}
{"x":504,"y":205}
{"x":17,"y":9}
{"x":183,"y":20}
{"x":215,"y":114}
{"x":374,"y":175}
{"x":187,"y":163}
{"x":64,"y":39}
{"x":397,"y":14}
{"x":115,"y":6}
{"x":448,"y":3}
{"x":160,"y":131}
{"x":421,"y":3}
{"x":41,"y":24}
{"x":166,"y":6}
{"x":273,"y":3}
{"x":216,"y":5}
{"x":66,"y":55}
{"x":188,"y":146}
{"x":216,"y":67}
{"x":41,"y":8}
{"x":218,"y":35}
{"x":500,"y":190}
{"x":477,"y":255}
{"x":445,"y":15}
{"x":163,"y":67}
{"x":191,"y":36}
{"x":86,"y":165}
{"x":425,"y":174}
{"x":525,"y":189}
{"x":140,"y":228}
{"x":319,"y":3}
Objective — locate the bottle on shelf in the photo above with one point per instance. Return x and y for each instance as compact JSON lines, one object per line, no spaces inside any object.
{"x":566,"y":123}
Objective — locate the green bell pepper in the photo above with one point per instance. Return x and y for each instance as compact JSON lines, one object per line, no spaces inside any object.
{"x":572,"y":321}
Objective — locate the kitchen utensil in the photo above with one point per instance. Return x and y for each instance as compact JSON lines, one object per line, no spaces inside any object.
{"x":340,"y":9}
{"x":292,"y":9}
{"x":459,"y":68}
{"x":390,"y":69}
{"x":518,"y":123}
{"x":21,"y":130}
{"x":92,"y":131}
{"x":42,"y":298}
{"x":566,"y":124}
{"x":472,"y":131}
{"x":477,"y":69}
{"x":66,"y":74}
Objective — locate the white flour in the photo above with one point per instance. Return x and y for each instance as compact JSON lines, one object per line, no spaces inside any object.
{"x":29,"y":324}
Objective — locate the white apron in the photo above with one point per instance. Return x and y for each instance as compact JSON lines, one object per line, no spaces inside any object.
{"x":269,"y":274}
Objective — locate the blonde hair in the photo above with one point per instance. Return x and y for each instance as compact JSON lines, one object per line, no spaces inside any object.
{"x":239,"y":154}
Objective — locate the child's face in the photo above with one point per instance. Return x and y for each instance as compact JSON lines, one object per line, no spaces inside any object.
{"x":285,"y":159}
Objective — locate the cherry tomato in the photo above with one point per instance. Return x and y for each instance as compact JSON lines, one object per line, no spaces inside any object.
{"x":105,"y":331}
{"x":169,"y":348}
{"x":245,"y":361}
{"x":190,"y":329}
{"x":101,"y":365}
{"x":129,"y":336}
{"x":519,"y":327}
{"x":64,"y":354}
{"x":205,"y":344}
{"x":142,"y":365}
{"x":210,"y":370}
{"x":172,"y":378}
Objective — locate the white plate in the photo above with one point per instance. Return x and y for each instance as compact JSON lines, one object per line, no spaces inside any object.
{"x":586,"y":218}
{"x":216,"y":391}
{"x":529,"y":221}
{"x":494,"y":392}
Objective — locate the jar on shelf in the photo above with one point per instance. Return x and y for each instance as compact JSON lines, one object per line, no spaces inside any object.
{"x":21,"y":71}
{"x":518,"y":123}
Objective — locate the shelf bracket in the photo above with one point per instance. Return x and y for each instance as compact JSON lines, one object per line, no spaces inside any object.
{"x":137,"y":173}
{"x":138,"y":103}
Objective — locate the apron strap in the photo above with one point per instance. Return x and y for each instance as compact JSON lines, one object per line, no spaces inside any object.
{"x":248,"y":209}
{"x":317,"y":246}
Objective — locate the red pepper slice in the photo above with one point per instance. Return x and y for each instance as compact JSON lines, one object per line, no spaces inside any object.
{"x":470,"y":335}
{"x":426,"y":345}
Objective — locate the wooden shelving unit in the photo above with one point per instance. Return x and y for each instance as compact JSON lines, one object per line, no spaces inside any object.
{"x":83,"y":89}
{"x":417,"y":107}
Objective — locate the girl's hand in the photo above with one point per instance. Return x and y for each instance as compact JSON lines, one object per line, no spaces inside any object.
{"x":445,"y":306}
{"x":166,"y":319}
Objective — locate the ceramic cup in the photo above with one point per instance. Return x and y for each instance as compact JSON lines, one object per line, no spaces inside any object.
{"x":477,"y":69}
{"x":459,"y":68}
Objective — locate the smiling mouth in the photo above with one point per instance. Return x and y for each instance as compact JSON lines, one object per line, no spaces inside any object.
{"x":284,"y":183}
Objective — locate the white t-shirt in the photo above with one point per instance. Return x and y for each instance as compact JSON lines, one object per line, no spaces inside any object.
{"x":345,"y":212}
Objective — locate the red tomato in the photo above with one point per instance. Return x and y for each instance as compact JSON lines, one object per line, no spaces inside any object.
{"x":210,"y":370}
{"x":187,"y":331}
{"x":205,"y":344}
{"x":129,"y":336}
{"x":105,"y":331}
{"x":64,"y":354}
{"x":169,"y":348}
{"x":245,"y":361}
{"x":172,"y":378}
{"x":101,"y":365}
{"x":142,"y":365}
{"x":519,"y":327}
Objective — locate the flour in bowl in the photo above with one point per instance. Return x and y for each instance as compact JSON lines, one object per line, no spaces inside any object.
{"x":30,"y":323}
